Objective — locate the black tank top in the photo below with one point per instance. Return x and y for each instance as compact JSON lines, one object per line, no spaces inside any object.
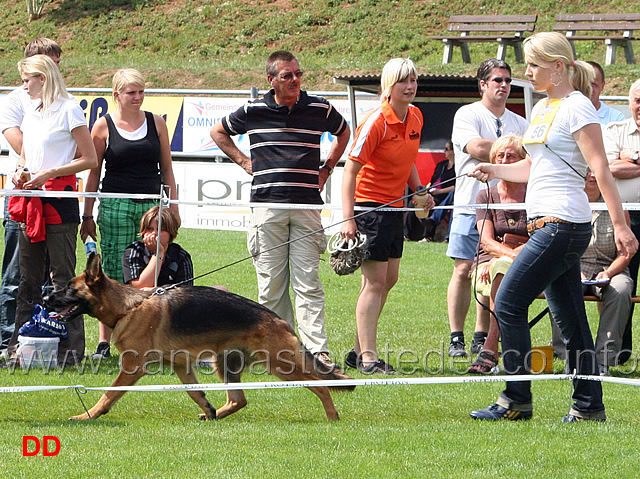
{"x":132,"y":166}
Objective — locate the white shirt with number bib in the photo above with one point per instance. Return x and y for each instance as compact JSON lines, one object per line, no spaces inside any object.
{"x":558,"y":169}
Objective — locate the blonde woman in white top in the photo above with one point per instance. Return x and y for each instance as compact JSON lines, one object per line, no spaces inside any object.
{"x":56,"y":145}
{"x":563,"y":141}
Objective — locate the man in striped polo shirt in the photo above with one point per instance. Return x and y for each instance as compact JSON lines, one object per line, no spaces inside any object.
{"x":285,"y":128}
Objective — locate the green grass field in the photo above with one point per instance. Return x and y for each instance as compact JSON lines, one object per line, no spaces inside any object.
{"x":384,"y":431}
{"x":223,"y":44}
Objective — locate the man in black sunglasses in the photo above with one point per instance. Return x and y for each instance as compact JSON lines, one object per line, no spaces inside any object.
{"x":285,"y":129}
{"x":475,"y":127}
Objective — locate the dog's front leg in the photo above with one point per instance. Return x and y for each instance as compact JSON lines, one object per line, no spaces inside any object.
{"x":130,"y":372}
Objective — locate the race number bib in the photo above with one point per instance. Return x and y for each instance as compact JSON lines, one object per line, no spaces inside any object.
{"x":541,"y":124}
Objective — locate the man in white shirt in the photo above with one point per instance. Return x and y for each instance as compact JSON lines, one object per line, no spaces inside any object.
{"x":622,"y":144}
{"x":605,"y":112}
{"x":12,"y":110}
{"x":475,"y":127}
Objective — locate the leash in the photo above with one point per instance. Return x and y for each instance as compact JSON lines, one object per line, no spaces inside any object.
{"x":82,"y":390}
{"x":477,"y":259}
{"x":161,"y":291}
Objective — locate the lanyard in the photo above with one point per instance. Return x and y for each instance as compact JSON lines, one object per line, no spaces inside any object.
{"x":541,"y":124}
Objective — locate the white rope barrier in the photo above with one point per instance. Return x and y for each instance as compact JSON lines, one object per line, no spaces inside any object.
{"x":330,"y":383}
{"x":27,"y":389}
{"x":326,"y":383}
{"x":76,"y":194}
{"x":285,"y":206}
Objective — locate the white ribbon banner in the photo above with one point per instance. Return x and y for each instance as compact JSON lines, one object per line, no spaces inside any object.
{"x":330,"y":383}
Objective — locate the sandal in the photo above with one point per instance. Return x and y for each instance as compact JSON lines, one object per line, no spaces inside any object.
{"x":484,"y":363}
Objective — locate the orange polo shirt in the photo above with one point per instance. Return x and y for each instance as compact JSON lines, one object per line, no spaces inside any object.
{"x":387,"y":150}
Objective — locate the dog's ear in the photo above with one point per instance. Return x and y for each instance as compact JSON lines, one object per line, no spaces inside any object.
{"x":93,"y":270}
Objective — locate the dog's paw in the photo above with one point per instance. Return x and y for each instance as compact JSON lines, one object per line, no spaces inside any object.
{"x":208,"y":417}
{"x":209,"y":414}
{"x":80,"y":417}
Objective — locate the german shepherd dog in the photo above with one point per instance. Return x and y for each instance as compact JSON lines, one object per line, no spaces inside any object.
{"x":176,"y":327}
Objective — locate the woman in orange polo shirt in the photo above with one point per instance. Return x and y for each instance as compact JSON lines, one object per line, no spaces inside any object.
{"x":380,"y":165}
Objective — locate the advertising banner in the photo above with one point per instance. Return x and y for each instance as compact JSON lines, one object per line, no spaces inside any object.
{"x":189,"y":120}
{"x":200,"y":114}
{"x":229,"y":186}
{"x":168,"y":107}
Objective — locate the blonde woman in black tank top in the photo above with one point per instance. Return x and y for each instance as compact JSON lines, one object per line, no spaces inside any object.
{"x":134,"y":145}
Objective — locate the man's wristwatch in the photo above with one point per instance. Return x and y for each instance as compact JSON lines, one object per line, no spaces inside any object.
{"x":635,"y":157}
{"x":328,"y":168}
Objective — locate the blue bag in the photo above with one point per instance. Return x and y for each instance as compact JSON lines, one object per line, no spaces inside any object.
{"x":41,"y":325}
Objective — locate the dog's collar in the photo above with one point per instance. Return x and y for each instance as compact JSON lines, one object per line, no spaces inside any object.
{"x":160,"y":291}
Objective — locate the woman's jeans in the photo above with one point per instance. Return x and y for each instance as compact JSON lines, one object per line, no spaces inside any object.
{"x":549,"y":262}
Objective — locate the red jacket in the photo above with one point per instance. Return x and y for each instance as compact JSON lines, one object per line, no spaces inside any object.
{"x":38,"y":212}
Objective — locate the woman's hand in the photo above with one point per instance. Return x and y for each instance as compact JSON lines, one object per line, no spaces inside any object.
{"x":483,"y":172}
{"x":17,"y":179}
{"x":484,"y":271}
{"x":428,"y":204}
{"x":348,"y":230}
{"x":38,"y":179}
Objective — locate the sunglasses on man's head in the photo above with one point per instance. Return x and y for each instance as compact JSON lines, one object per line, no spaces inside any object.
{"x":500,"y":80}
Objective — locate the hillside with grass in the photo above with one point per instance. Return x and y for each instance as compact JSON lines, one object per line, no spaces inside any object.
{"x":222,"y":44}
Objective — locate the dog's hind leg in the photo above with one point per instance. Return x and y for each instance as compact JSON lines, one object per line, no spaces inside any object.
{"x":229,"y":368}
{"x":324,"y":395}
{"x":290,"y":361}
{"x":300,"y":371}
{"x":198,"y":396}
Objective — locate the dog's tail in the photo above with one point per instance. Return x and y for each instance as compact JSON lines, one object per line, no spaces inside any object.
{"x":328,"y":372}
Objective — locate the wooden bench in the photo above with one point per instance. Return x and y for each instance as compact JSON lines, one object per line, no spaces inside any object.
{"x":616,"y":29}
{"x":507,"y":30}
{"x":542,"y":314}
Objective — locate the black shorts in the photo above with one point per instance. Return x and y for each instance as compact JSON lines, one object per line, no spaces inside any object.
{"x":384,"y":230}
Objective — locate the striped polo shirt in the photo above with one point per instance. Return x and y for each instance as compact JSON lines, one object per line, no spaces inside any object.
{"x":285,"y":145}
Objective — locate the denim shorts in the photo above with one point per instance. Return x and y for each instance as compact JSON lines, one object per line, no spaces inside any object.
{"x":463,"y":236}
